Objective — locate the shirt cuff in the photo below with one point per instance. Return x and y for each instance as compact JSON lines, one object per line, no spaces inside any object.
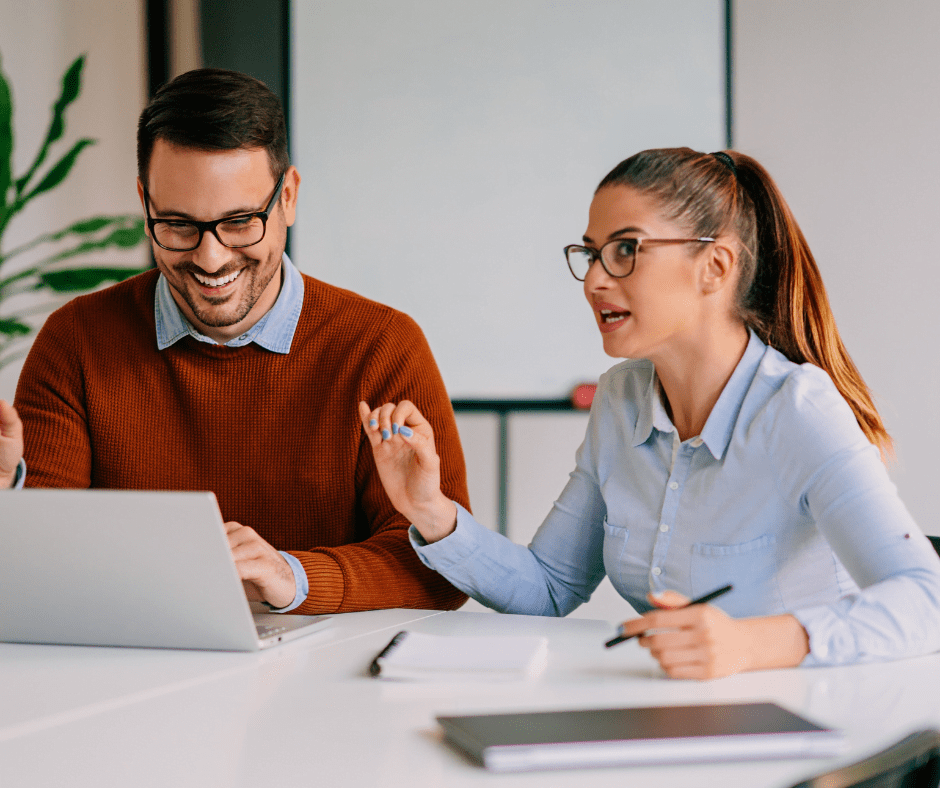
{"x":453,"y":549}
{"x":300,"y":583}
{"x":20,"y":478}
{"x":831,"y":640}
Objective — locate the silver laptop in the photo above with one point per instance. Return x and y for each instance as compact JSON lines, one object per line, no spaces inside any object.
{"x":127,"y":568}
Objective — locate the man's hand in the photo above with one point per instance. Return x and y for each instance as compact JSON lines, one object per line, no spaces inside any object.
{"x":261,"y":566}
{"x":11,"y":444}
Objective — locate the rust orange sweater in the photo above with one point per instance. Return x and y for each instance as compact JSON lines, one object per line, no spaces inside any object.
{"x":276,"y":437}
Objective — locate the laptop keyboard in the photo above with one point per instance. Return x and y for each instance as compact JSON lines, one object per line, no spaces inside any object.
{"x":265,"y":631}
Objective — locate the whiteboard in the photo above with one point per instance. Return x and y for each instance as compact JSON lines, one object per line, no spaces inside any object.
{"x":449,"y":149}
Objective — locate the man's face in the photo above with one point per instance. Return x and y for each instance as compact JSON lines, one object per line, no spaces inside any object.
{"x":222,"y":291}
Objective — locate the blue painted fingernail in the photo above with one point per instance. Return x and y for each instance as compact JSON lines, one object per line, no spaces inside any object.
{"x":406,"y":431}
{"x":394,"y":428}
{"x":373,"y":423}
{"x":386,"y":435}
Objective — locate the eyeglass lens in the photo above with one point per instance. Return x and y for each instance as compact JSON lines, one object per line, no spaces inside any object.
{"x":617,"y":257}
{"x":182,"y":236}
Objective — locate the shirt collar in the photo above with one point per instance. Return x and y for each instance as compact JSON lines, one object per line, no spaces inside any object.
{"x":720,"y":424}
{"x":274,"y":331}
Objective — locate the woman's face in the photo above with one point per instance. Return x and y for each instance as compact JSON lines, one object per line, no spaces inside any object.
{"x":658,"y":307}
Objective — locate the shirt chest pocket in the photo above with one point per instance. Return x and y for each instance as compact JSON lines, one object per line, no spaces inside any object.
{"x":615,"y":545}
{"x":750,"y":566}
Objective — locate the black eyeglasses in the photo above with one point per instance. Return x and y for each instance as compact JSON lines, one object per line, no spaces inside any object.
{"x":235,"y":232}
{"x":618,"y":257}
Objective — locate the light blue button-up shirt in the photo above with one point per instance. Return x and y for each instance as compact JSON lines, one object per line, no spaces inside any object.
{"x":781,"y":495}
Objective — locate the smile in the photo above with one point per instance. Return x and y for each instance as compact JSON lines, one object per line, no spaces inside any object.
{"x":611,"y":320}
{"x":609,"y":316}
{"x":209,"y":282}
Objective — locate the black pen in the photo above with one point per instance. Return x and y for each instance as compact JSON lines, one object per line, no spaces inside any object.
{"x":700,"y":601}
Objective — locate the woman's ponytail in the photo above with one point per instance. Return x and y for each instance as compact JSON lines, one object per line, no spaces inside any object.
{"x":786,"y":302}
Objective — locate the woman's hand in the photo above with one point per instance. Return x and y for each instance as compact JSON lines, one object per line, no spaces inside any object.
{"x":704,"y":642}
{"x":410,"y":470}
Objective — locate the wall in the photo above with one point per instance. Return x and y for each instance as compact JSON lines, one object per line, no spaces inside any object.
{"x":839,"y":100}
{"x":450,"y":150}
{"x":38,"y":41}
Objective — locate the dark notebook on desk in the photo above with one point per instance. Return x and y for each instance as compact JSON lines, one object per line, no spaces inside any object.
{"x":638,"y":736}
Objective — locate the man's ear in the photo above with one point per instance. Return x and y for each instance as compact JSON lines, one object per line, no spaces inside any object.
{"x":143,"y":205}
{"x":289,"y":194}
{"x":720,"y":266}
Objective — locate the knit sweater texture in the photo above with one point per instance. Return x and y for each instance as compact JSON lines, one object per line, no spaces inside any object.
{"x":276,"y":437}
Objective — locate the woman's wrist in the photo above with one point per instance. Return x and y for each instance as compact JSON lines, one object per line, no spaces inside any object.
{"x":435,"y":520}
{"x":775,"y":642}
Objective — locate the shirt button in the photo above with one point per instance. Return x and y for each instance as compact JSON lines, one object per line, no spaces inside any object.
{"x":674,"y":486}
{"x":657,"y":571}
{"x":663,"y":527}
{"x":697,"y":442}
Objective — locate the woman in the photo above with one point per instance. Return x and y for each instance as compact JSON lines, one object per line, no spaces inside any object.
{"x":737,"y":444}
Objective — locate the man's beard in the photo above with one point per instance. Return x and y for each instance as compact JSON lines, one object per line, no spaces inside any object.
{"x":206,"y":308}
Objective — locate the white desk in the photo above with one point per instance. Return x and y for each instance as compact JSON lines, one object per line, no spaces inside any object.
{"x":306,"y":713}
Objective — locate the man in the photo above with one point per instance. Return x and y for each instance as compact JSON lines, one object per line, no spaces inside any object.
{"x":227,"y":370}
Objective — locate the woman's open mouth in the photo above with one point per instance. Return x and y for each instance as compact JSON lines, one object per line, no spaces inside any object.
{"x":611,"y":320}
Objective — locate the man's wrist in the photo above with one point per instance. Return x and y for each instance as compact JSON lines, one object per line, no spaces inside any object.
{"x":301,"y":584}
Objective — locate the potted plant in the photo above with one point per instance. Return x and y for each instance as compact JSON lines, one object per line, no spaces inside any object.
{"x":56,"y":265}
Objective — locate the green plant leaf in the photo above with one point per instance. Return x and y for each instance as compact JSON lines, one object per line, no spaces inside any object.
{"x":128,"y":237}
{"x":6,"y":140}
{"x":57,"y":174}
{"x":75,"y":279}
{"x":123,"y":237}
{"x":71,"y":87}
{"x":13,"y":327}
{"x":86,"y":227}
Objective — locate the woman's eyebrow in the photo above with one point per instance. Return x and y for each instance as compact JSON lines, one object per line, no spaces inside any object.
{"x":614,"y":234}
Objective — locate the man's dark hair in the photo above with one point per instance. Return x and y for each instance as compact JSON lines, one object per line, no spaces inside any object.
{"x":212,"y":109}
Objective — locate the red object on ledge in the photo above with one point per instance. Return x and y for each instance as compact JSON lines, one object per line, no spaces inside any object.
{"x":583,"y":395}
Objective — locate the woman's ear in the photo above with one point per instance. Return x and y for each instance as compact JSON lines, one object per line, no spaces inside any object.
{"x":720,"y":266}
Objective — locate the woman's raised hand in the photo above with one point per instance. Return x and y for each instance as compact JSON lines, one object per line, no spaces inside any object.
{"x":403,"y":447}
